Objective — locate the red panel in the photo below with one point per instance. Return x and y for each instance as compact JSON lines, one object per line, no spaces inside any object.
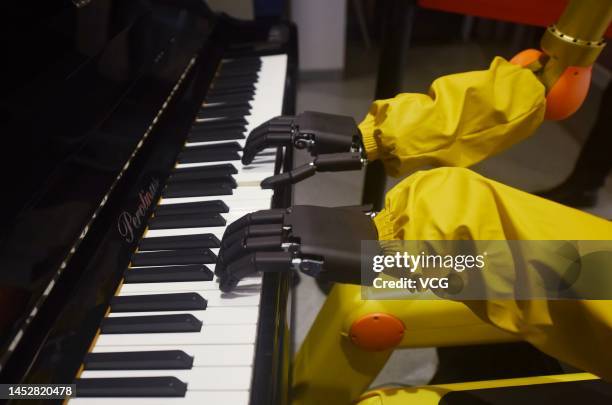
{"x":531,"y":12}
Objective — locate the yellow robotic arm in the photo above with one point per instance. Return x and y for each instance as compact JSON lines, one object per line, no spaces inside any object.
{"x":464,"y":119}
{"x":470,"y":116}
{"x":352,"y":338}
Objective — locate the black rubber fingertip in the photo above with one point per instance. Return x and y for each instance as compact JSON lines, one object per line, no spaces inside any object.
{"x":275,"y":181}
{"x":227,"y":285}
{"x":267,"y":183}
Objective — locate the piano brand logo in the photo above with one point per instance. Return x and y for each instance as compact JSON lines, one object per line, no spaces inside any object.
{"x":128,"y":223}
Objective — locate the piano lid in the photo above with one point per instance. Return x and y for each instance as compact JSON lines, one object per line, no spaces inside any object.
{"x":83,"y":83}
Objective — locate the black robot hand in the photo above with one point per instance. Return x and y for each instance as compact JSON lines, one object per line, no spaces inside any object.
{"x":319,"y":241}
{"x":317,"y":132}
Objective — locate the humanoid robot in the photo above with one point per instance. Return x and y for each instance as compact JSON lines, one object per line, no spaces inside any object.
{"x":464,"y":119}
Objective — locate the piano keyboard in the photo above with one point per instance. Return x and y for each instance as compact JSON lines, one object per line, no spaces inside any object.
{"x":171,"y":336}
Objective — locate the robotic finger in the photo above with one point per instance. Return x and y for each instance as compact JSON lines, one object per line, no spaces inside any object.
{"x":332,"y":162}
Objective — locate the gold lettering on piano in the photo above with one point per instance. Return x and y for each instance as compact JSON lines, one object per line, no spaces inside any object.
{"x":129,"y":223}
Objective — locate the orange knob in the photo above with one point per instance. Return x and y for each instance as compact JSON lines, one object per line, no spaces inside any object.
{"x":377,"y":332}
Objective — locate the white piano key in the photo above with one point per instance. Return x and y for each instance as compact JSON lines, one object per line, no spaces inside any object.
{"x":233,"y":205}
{"x":215,"y":230}
{"x":209,"y":335}
{"x":214,"y":316}
{"x":203,"y":355}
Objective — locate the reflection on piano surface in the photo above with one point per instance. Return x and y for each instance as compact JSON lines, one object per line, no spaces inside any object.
{"x":134,"y":114}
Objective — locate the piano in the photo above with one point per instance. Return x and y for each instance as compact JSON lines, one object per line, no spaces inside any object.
{"x":130,"y":116}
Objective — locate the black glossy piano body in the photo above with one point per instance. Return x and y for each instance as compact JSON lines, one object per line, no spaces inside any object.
{"x":101,"y":95}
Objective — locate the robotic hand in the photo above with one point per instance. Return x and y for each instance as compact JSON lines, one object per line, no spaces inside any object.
{"x":334,"y":141}
{"x":322,"y":242}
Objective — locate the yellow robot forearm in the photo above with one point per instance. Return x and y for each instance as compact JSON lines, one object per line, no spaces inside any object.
{"x":455,"y":204}
{"x":464,"y":119}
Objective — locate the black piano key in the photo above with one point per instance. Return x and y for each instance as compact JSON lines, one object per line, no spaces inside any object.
{"x":236,"y":76}
{"x":241,"y":61}
{"x":229,"y":74}
{"x":244,"y":69}
{"x":232,"y":98}
{"x":202,"y":156}
{"x":248,"y":77}
{"x":192,"y":180}
{"x":220,"y":123}
{"x":225,"y":71}
{"x":241,"y":64}
{"x":220,"y":170}
{"x":158,"y":302}
{"x":228,"y":113}
{"x":199,"y":240}
{"x":237,"y":86}
{"x":210,"y":153}
{"x":231,"y":91}
{"x":216,"y":206}
{"x":204,"y":181}
{"x":239,"y":67}
{"x":151,"y":360}
{"x":168,"y":274}
{"x":202,"y":178}
{"x":230,"y":86}
{"x":223,"y":81}
{"x":198,"y":220}
{"x":194,"y":189}
{"x":173,"y":257}
{"x":233,"y":84}
{"x":209,"y":136}
{"x":151,"y":324}
{"x":201,"y":127}
{"x":226,"y":146}
{"x":217,"y":107}
{"x":130,"y":387}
